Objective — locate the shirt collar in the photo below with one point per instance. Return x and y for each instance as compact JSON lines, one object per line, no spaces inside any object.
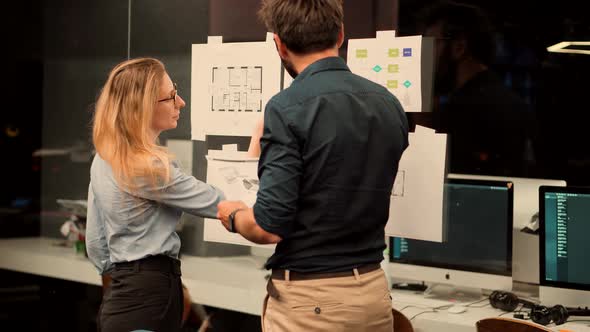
{"x":325,"y":64}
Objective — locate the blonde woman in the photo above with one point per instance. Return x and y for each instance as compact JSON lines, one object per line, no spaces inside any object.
{"x":136,"y":196}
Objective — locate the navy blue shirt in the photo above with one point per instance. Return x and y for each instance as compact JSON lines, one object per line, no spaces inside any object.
{"x":329,"y":155}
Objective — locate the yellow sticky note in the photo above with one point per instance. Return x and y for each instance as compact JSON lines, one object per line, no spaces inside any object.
{"x":362,"y":53}
{"x":392,"y":84}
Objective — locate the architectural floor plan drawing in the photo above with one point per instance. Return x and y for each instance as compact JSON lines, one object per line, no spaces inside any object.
{"x":236,"y":89}
{"x":230,"y":86}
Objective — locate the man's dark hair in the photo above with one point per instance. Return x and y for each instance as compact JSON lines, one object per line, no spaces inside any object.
{"x":462,"y":21}
{"x":305,"y":26}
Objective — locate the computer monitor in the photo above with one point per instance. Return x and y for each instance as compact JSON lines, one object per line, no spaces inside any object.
{"x":526,"y":206}
{"x":477,"y":252}
{"x":564,"y":223}
{"x":526,"y":193}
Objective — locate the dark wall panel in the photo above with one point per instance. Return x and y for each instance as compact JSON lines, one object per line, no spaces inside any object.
{"x":166,"y":30}
{"x":236,"y":20}
{"x":82,"y":41}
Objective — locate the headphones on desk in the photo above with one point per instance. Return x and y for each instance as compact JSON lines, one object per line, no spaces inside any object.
{"x":557,"y":314}
{"x":507,"y":301}
{"x":539,"y":314}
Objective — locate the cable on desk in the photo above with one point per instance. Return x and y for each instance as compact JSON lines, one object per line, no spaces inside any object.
{"x":423,"y":312}
{"x":517,"y":311}
{"x":415,"y":306}
{"x":476,"y":302}
{"x":481,"y":306}
{"x":408,"y":306}
{"x":578,"y":320}
{"x":442,"y":307}
{"x":432,"y":309}
{"x":536,"y":301}
{"x":446,"y":306}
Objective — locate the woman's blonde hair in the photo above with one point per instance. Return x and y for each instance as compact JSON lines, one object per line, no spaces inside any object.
{"x":122,"y":133}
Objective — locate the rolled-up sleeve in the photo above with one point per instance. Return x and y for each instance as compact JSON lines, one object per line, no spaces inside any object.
{"x":96,"y":242}
{"x":279,"y":170}
{"x":184,"y":192}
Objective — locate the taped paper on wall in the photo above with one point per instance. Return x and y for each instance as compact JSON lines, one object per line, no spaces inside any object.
{"x":230,"y":86}
{"x":416,"y":209}
{"x":403,"y":65}
{"x":236,"y":175}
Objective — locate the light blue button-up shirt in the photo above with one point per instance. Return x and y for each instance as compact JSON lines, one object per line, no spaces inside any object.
{"x":122,"y":226}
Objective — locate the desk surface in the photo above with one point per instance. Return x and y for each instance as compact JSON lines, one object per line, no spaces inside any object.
{"x":433,"y":315}
{"x":234,"y":283}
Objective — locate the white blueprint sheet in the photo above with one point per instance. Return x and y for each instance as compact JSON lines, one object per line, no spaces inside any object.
{"x":230,"y":86}
{"x":236,"y":175}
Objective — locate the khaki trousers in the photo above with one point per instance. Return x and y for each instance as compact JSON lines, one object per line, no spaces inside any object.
{"x":357,"y":303}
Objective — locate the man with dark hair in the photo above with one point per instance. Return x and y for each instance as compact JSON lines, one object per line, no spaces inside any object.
{"x":487,"y":123}
{"x":330,"y":151}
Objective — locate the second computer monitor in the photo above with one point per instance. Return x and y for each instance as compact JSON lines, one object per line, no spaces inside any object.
{"x":477,"y":252}
{"x":564,"y":225}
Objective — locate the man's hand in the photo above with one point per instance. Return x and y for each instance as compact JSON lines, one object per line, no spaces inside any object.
{"x":245,"y":222}
{"x":224,"y":208}
{"x":254,"y":148}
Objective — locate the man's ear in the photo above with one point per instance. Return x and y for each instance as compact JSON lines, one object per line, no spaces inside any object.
{"x":281,"y":48}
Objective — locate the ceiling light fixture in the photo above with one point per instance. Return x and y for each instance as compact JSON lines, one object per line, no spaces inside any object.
{"x":576,"y":47}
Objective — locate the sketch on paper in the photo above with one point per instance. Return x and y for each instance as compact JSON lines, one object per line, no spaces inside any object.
{"x":244,"y":185}
{"x":239,"y":182}
{"x":237,"y":176}
{"x":236,"y":89}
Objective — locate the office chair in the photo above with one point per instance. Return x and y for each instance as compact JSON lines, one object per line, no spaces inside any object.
{"x":401,"y":323}
{"x":501,"y":324}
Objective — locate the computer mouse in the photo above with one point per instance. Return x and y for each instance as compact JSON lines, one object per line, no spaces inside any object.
{"x":457,"y":309}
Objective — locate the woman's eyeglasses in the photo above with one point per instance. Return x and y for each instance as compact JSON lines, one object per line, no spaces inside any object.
{"x":173,"y":97}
